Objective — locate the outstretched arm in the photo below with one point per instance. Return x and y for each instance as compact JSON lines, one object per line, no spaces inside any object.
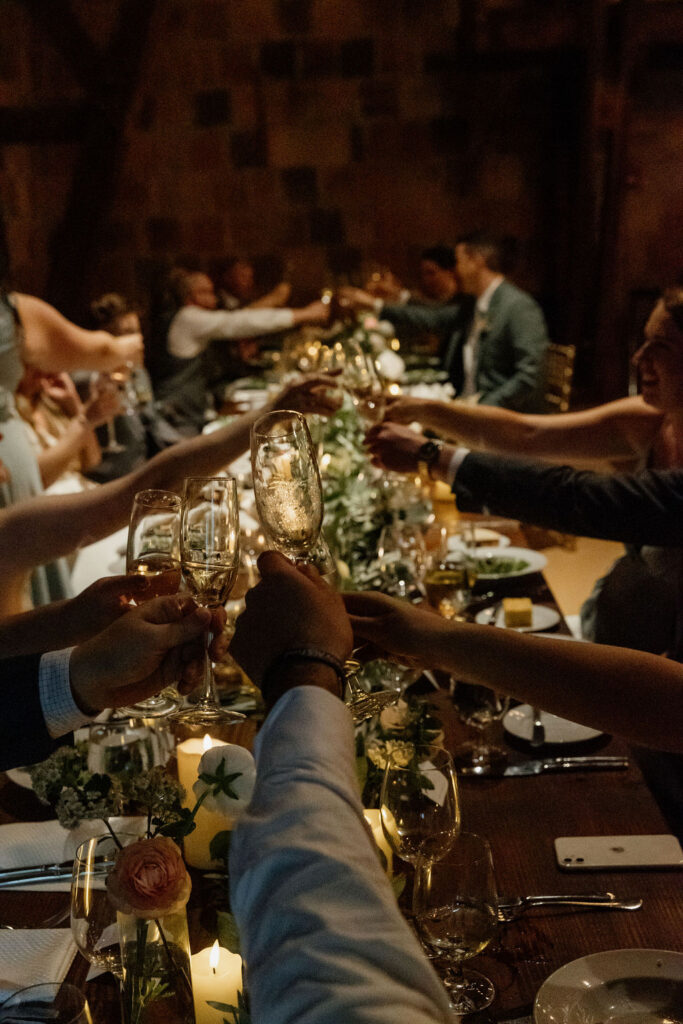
{"x":604,"y":687}
{"x":618,"y":430}
{"x":53,"y":343}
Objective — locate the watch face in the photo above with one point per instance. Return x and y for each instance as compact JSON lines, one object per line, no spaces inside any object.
{"x":428,"y":452}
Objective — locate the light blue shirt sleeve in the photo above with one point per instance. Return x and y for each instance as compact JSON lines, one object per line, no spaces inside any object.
{"x":322,"y":935}
{"x":61,"y":713}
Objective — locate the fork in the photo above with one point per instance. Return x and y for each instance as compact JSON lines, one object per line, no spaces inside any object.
{"x":511,"y":907}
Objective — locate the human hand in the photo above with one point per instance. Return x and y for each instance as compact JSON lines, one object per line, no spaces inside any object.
{"x":99,"y":605}
{"x":317,"y":312}
{"x":391,"y":626}
{"x":291,"y":607}
{"x":316,"y":393}
{"x":62,"y":390}
{"x":394,"y":447}
{"x":384,"y":285}
{"x":156,"y":645}
{"x":102,"y":406}
{"x":355,"y":299}
{"x":280,"y":293}
{"x":405,"y":409}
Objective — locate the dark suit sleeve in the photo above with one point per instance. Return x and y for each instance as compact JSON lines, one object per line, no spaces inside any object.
{"x":528,"y":337}
{"x":25,"y":739}
{"x":438,"y":319}
{"x":638,"y":508}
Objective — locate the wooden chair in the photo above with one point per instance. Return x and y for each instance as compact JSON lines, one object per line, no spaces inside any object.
{"x":558,"y":377}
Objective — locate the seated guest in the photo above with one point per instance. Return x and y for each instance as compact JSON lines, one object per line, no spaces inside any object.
{"x":494,"y":354}
{"x":62,"y":427}
{"x":141,"y":431}
{"x":237,"y":287}
{"x":635,"y":432}
{"x":438,"y":281}
{"x":136,"y":655}
{"x":197,"y":322}
{"x":322,"y":937}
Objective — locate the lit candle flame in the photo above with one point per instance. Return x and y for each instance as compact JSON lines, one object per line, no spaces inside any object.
{"x":207,"y":742}
{"x":214,"y":956}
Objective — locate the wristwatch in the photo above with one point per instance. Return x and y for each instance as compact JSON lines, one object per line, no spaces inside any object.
{"x":427,"y":455}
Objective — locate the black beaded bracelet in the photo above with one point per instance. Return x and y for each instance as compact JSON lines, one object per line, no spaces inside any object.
{"x":304,"y":654}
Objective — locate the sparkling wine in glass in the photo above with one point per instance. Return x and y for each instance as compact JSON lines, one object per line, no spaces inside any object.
{"x":153,"y":551}
{"x":449,"y":579}
{"x":419,"y":803}
{"x":456,"y":910}
{"x":287,"y":486}
{"x":209,"y":554}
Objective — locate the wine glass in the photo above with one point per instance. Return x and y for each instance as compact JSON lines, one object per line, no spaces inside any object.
{"x":419,"y":803}
{"x":287,"y":487}
{"x":153,"y":551}
{"x":456,"y":908}
{"x":479,"y":707}
{"x":359,"y":377}
{"x":449,"y":579}
{"x":93,"y":916}
{"x":108,"y":383}
{"x":209,"y":558}
{"x":401,"y":556}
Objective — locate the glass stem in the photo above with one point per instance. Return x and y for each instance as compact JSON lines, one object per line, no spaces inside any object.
{"x":209,"y":697}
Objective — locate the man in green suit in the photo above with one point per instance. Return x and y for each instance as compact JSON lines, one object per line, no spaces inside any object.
{"x":494,"y":354}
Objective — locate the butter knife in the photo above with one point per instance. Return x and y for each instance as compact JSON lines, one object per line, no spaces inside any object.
{"x":565,"y":764}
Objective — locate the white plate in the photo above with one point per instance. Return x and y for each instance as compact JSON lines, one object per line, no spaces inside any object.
{"x":482,"y":536}
{"x":20,"y":777}
{"x":519,"y":722}
{"x":534,"y":559}
{"x":541,"y":618}
{"x":620,"y":986}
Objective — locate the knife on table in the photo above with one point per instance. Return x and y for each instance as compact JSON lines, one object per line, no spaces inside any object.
{"x":41,"y":873}
{"x":565,"y":764}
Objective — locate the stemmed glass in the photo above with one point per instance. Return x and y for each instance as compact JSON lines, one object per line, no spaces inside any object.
{"x":456,"y":906}
{"x":359,"y":377}
{"x":93,"y":916}
{"x":401,"y":557}
{"x":449,"y":579}
{"x":153,"y":551}
{"x":209,"y":557}
{"x":419,"y":804}
{"x":479,"y":707}
{"x":108,"y":383}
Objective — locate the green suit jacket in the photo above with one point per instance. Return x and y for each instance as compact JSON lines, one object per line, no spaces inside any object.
{"x":512,"y":346}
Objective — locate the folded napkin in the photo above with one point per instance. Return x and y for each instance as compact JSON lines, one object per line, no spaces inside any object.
{"x":30,"y":843}
{"x":31,"y":956}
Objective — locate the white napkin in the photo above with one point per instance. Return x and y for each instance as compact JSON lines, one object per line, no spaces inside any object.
{"x":30,"y":843}
{"x":31,"y":956}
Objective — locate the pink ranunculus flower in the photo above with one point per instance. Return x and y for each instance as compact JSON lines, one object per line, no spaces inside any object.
{"x":149,"y":879}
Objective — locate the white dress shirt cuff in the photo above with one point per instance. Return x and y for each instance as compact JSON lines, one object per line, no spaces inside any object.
{"x":61,"y":713}
{"x":456,"y":462}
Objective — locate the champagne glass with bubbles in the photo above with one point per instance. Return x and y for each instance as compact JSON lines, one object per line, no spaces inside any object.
{"x":153,"y":551}
{"x":209,"y":558}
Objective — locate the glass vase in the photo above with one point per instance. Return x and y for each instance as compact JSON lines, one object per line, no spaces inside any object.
{"x":155,"y":955}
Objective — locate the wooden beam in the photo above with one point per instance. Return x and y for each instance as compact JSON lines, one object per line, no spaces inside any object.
{"x":65,"y":33}
{"x":48,"y":123}
{"x":75,"y":244}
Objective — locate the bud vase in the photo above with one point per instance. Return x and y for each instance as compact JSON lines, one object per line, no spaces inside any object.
{"x":155,"y":956}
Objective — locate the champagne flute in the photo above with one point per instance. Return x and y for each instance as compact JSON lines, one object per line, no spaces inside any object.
{"x":209,"y":554}
{"x":153,"y":551}
{"x":449,"y":579}
{"x":287,"y":487}
{"x":456,"y":909}
{"x":359,"y":378}
{"x":419,"y":803}
{"x":108,"y":383}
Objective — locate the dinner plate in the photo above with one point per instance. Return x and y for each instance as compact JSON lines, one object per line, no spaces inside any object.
{"x":519,"y":722}
{"x":619,"y":986}
{"x":535,"y":562}
{"x":20,"y":777}
{"x":482,"y":537}
{"x":541,"y":618}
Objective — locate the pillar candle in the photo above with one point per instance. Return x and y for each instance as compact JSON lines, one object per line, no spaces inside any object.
{"x":372,"y":816}
{"x":216,"y":976}
{"x":196,"y":844}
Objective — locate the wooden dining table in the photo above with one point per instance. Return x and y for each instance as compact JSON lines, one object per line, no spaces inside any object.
{"x":521,"y":817}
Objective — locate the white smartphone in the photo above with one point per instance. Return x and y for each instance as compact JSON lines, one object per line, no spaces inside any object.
{"x":611,"y":853}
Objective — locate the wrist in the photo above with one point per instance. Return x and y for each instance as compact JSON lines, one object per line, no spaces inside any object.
{"x":304,"y":666}
{"x":79,"y":675}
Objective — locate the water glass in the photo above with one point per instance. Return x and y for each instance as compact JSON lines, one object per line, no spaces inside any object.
{"x":53,"y":1002}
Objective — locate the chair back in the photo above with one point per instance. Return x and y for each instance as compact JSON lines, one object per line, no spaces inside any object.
{"x":558,"y":377}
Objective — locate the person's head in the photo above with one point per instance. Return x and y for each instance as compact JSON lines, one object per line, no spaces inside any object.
{"x":193,"y":288}
{"x":437,"y":272}
{"x":113,"y":312}
{"x":479,"y":258}
{"x":237,"y":278}
{"x":659,"y":360}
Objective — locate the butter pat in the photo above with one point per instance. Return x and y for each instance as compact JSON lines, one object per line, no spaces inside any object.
{"x":518,"y":611}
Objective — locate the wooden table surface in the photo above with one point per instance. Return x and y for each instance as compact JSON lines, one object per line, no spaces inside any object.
{"x":521,"y":817}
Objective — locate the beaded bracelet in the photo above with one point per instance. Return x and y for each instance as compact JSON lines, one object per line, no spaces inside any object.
{"x":304,"y":654}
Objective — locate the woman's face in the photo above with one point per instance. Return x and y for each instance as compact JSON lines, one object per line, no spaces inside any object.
{"x":659,"y":362}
